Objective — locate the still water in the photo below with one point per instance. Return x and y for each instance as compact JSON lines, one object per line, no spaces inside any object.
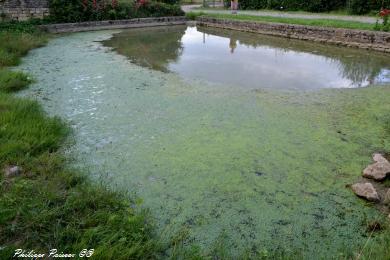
{"x":228,"y":138}
{"x":249,"y":60}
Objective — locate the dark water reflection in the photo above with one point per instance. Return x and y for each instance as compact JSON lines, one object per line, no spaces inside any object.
{"x":251,"y":60}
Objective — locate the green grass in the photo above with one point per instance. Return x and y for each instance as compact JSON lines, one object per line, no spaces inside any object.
{"x":340,"y":12}
{"x":14,"y":45}
{"x":11,"y":81}
{"x":299,"y":21}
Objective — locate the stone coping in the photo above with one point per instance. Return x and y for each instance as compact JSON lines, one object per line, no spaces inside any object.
{"x":114,"y":24}
{"x":371,"y":40}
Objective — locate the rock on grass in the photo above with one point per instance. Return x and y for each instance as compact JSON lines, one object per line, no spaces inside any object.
{"x":366,"y":191}
{"x":378,"y":170}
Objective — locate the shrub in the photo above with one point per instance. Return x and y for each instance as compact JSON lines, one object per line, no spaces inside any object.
{"x":384,"y":16}
{"x":358,"y":6}
{"x":253,"y":4}
{"x":365,"y":6}
{"x":310,"y":5}
{"x":149,"y":9}
{"x":170,"y":2}
{"x":87,"y":10}
{"x":21,"y":26}
{"x":377,"y":5}
{"x":353,"y":6}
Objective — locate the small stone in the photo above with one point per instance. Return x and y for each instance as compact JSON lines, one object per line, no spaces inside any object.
{"x":12,"y":171}
{"x":366,"y":191}
{"x":377,"y":171}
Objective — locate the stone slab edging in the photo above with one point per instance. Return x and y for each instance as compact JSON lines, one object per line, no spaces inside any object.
{"x":114,"y":24}
{"x":370,"y":40}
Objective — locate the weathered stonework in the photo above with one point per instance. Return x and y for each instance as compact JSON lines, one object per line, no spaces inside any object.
{"x":23,"y":9}
{"x":379,"y":41}
{"x":114,"y":24}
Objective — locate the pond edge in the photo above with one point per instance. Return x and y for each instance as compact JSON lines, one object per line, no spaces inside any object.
{"x":377,"y":41}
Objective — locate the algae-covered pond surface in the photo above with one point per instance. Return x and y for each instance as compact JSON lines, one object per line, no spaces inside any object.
{"x":226,"y":136}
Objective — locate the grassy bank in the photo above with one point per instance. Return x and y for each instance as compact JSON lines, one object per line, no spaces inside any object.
{"x":45,"y":205}
{"x":298,"y":21}
{"x":340,"y":12}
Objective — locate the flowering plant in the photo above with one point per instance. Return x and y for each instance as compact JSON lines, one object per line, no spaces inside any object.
{"x":384,"y":14}
{"x":141,"y":3}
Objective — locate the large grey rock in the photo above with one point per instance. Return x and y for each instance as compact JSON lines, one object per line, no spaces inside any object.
{"x":12,"y":171}
{"x":378,"y":170}
{"x":366,"y":191}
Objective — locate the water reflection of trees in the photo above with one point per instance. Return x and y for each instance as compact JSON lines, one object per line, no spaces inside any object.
{"x":356,"y":65}
{"x":157,"y":47}
{"x":150,"y":47}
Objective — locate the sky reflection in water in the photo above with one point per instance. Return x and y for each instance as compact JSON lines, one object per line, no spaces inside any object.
{"x":250,"y":60}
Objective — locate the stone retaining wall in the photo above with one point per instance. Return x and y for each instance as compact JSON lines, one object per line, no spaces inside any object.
{"x":379,"y":41}
{"x":23,"y":9}
{"x":114,"y":24}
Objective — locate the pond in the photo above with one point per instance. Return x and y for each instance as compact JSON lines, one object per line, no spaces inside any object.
{"x":227,"y":137}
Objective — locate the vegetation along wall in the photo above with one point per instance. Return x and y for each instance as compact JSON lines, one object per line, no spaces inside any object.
{"x":352,"y":6}
{"x":23,"y":9}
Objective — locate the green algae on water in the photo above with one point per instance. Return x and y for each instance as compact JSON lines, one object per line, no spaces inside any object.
{"x":264,"y":168}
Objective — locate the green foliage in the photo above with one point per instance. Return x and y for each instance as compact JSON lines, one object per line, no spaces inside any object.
{"x":353,"y":6}
{"x":358,"y":6}
{"x":170,"y":2}
{"x":22,"y":27}
{"x":364,"y":6}
{"x":157,"y":9}
{"x":76,"y":11}
{"x":310,"y":5}
{"x":11,"y":81}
